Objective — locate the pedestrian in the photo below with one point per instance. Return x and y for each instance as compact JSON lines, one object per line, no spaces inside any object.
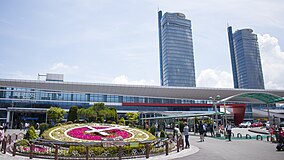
{"x":202,"y":130}
{"x":177,"y":132}
{"x":21,"y":126}
{"x":229,"y":130}
{"x":186,"y":135}
{"x":211,"y":129}
{"x":6,"y":127}
{"x":281,"y":135}
{"x":1,"y":136}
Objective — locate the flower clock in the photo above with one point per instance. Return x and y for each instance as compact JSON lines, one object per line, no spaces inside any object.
{"x":98,"y":133}
{"x":91,"y":132}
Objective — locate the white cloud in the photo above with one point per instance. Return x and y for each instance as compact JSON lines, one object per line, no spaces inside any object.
{"x":272,"y":61}
{"x":215,"y":78}
{"x":18,"y":75}
{"x":62,"y":68}
{"x":122,"y":79}
{"x":272,"y":65}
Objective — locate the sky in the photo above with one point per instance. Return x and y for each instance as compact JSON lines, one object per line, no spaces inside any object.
{"x":111,"y":41}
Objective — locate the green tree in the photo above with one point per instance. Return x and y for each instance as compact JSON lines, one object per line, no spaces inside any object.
{"x":31,"y":134}
{"x":132,"y":117}
{"x":112,"y":115}
{"x":98,"y":113}
{"x":88,"y":113}
{"x":55,"y":114}
{"x":73,"y":114}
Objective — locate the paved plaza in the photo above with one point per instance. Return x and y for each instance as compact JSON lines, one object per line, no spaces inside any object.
{"x":215,"y":149}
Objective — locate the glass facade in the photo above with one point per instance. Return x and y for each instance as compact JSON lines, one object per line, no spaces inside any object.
{"x":33,"y":98}
{"x":245,"y":57}
{"x":29,"y":100}
{"x":176,"y":50}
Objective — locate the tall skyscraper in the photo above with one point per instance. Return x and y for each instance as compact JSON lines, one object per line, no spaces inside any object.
{"x":245,"y":59}
{"x":176,"y":50}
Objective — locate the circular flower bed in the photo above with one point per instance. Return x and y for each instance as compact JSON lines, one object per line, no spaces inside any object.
{"x":90,"y":132}
{"x":80,"y":133}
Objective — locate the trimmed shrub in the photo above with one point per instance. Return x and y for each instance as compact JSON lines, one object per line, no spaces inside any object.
{"x":122,"y":121}
{"x":58,"y":125}
{"x":31,"y":134}
{"x":43,"y":127}
{"x":80,"y":149}
{"x":73,"y":114}
{"x":162,"y":135}
{"x":152,"y":130}
{"x":23,"y":142}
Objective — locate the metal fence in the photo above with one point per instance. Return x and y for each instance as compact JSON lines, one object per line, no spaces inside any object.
{"x":41,"y":148}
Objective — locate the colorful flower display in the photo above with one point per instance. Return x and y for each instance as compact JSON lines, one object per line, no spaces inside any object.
{"x":90,"y":132}
{"x":81,"y":133}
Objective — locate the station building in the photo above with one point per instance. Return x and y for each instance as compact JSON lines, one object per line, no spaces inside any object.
{"x":29,"y":100}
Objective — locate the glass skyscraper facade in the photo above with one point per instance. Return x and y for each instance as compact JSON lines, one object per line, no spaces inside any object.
{"x":176,"y":50}
{"x":245,"y":59}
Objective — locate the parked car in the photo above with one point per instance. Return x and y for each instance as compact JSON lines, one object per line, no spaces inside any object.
{"x":257,"y":124}
{"x":245,"y":125}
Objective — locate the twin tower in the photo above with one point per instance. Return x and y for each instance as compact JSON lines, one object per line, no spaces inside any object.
{"x":177,"y":58}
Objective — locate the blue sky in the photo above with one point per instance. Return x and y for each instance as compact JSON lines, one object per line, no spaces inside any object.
{"x":110,"y":41}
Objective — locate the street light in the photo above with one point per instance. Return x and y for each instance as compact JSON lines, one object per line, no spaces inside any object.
{"x":214,"y":100}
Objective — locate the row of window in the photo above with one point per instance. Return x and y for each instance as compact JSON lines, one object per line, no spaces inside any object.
{"x":31,"y":94}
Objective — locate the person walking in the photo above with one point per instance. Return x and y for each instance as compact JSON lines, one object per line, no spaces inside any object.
{"x":1,"y":137}
{"x":229,"y":130}
{"x":186,"y":135}
{"x":177,"y":132}
{"x":211,"y":129}
{"x":202,"y":130}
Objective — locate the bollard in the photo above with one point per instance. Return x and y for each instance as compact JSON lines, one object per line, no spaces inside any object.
{"x":31,"y":150}
{"x":239,"y":135}
{"x":56,"y":152}
{"x":120,"y":152}
{"x":258,"y":136}
{"x":247,"y":135}
{"x":14,"y":149}
{"x":167,"y":148}
{"x":147,"y":150}
{"x":268,"y":137}
{"x":87,"y":152}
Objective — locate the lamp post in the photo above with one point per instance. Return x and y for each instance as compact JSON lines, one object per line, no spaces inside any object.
{"x":214,"y":100}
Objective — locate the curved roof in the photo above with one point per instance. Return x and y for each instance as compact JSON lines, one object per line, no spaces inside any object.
{"x":230,"y":95}
{"x":258,"y":96}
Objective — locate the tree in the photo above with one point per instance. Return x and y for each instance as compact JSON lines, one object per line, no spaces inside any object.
{"x":112,"y":115}
{"x":88,"y":113}
{"x":55,"y":114}
{"x":132,"y":117}
{"x":73,"y":114}
{"x":98,"y":113}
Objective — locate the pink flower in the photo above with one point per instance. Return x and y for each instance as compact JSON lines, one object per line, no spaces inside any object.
{"x":113,"y":133}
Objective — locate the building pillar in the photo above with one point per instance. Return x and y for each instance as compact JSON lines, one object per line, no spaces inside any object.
{"x":12,"y":120}
{"x":8,"y":116}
